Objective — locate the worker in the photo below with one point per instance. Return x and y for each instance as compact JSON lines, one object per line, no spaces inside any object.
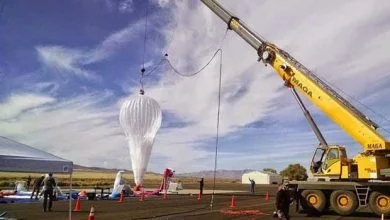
{"x":253,"y":183}
{"x":201,"y":184}
{"x":37,"y":186}
{"x":28,"y":182}
{"x":179,"y":185}
{"x":283,"y":201}
{"x":48,"y":187}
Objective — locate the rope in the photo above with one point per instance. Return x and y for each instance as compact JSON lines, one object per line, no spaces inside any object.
{"x":141,"y":82}
{"x":146,"y":30}
{"x":219,"y":99}
{"x":162,"y":61}
{"x":194,"y":73}
{"x":203,"y":67}
{"x":218,"y":108}
{"x":217,"y":136}
{"x":167,"y":61}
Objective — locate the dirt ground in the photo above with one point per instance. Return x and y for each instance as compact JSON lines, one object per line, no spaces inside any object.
{"x":182,"y":206}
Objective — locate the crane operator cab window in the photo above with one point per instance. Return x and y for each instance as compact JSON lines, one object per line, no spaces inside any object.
{"x":332,"y":157}
{"x":317,"y":160}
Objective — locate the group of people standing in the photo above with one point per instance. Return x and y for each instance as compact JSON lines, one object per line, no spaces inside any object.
{"x":48,"y":184}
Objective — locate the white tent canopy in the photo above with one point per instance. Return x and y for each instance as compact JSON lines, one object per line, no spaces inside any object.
{"x":17,"y":157}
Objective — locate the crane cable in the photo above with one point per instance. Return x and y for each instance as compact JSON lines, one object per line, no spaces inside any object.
{"x":196,"y":72}
{"x":203,"y":67}
{"x":219,"y":50}
{"x":165,"y":60}
{"x":218,"y":107}
{"x":144,"y":53}
{"x":217,"y":135}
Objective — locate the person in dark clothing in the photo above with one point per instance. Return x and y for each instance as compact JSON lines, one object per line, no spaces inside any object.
{"x":48,"y":187}
{"x":282,"y":202}
{"x":201,"y":184}
{"x":37,"y":186}
{"x":28,"y":182}
{"x":253,"y":183}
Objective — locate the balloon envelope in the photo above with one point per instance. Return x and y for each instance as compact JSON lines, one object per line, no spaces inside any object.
{"x":140,"y":117}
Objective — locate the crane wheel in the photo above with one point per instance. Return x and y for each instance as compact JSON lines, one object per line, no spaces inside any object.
{"x":313,"y":201}
{"x":343,"y":202}
{"x":379,"y":203}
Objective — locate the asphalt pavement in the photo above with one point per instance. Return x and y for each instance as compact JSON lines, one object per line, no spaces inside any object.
{"x":174,"y":207}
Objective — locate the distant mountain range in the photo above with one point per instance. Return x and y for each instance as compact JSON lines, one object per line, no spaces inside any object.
{"x":101,"y":169}
{"x":221,"y":174}
{"x":85,"y":168}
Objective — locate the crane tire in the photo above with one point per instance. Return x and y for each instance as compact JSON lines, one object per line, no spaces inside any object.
{"x":379,"y":203}
{"x":313,"y":201}
{"x":343,"y":202}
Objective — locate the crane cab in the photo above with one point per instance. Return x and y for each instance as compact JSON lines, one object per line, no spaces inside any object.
{"x":331,"y":162}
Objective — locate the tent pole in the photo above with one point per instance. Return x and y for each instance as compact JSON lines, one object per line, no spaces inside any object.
{"x":70,"y":197}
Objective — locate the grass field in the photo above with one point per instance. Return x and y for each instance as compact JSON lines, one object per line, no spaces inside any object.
{"x":90,"y":178}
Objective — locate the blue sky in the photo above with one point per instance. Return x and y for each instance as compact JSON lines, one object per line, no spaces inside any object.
{"x":66,"y":66}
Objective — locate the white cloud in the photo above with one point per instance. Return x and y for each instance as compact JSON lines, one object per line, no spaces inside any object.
{"x":162,"y":3}
{"x":17,"y":103}
{"x":63,"y":59}
{"x":123,"y":6}
{"x":349,"y":51}
{"x":72,"y":60}
{"x":113,"y":43}
{"x":79,"y":129}
{"x":126,"y":6}
{"x":319,"y":38}
{"x":84,"y":129}
{"x":47,"y":87}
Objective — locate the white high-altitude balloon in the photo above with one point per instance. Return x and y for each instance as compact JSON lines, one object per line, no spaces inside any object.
{"x":140,"y":117}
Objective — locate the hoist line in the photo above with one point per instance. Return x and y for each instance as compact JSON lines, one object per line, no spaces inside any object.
{"x":194,"y":73}
{"x":144,"y":53}
{"x":165,"y":60}
{"x":145,"y":35}
{"x":218,"y":123}
{"x":219,"y":50}
{"x":218,"y":109}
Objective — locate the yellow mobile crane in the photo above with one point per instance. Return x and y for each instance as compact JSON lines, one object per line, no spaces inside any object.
{"x":344,"y":184}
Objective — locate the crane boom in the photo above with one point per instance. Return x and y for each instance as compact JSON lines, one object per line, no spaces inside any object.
{"x":296,"y":75}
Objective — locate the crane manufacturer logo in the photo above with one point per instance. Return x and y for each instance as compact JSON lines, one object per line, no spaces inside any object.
{"x":374,"y":146}
{"x":303,"y":87}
